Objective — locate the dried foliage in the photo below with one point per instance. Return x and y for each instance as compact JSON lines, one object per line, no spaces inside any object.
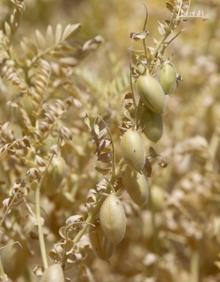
{"x":67,"y":98}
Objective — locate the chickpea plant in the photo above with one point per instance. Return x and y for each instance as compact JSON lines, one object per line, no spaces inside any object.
{"x":47,"y":109}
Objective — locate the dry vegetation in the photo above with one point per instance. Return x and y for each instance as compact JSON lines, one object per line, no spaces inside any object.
{"x":103,"y":176}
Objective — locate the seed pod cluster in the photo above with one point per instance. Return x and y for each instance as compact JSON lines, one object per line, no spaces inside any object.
{"x":112,"y":219}
{"x":133,"y":150}
{"x":152,"y":100}
{"x":100,"y":244}
{"x":136,"y":185}
{"x":53,"y":273}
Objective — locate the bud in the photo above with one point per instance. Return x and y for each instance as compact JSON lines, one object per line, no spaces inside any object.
{"x":55,"y":175}
{"x":133,"y":150}
{"x":53,"y":273}
{"x":151,"y":93}
{"x":113,"y":219}
{"x":100,"y":244}
{"x":168,"y":77}
{"x":136,"y":185}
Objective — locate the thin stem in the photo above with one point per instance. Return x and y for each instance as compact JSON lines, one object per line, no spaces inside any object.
{"x":2,"y":273}
{"x":84,"y":229}
{"x":213,"y":149}
{"x":89,"y":219}
{"x":173,"y":23}
{"x":170,"y":41}
{"x":112,"y":144}
{"x":8,"y":209}
{"x":131,"y":86}
{"x":40,"y":231}
{"x":194,"y":266}
{"x":144,"y":29}
{"x":38,"y":215}
{"x":153,"y":219}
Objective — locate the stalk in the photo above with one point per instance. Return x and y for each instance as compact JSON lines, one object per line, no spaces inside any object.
{"x":40,"y":231}
{"x":2,"y":273}
{"x":194,"y":266}
{"x":153,"y":220}
{"x":38,"y":216}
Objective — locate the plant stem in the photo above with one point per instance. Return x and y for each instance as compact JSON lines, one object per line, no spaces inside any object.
{"x":89,"y":219}
{"x":194,"y":266}
{"x":84,"y":229}
{"x":144,"y":29}
{"x":153,"y":220}
{"x":38,"y":215}
{"x":40,"y":231}
{"x":2,"y":273}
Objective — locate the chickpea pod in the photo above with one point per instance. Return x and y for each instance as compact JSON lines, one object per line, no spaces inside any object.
{"x":133,"y":150}
{"x":136,"y":185}
{"x":102,"y":247}
{"x":53,"y":273}
{"x":14,"y":260}
{"x":151,"y":93}
{"x":113,"y":219}
{"x":168,"y":77}
{"x":152,"y":125}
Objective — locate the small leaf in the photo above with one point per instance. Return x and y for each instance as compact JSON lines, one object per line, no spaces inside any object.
{"x":139,"y":35}
{"x":92,"y":44}
{"x":49,"y":35}
{"x":69,"y":30}
{"x":40,"y":39}
{"x":58,"y":34}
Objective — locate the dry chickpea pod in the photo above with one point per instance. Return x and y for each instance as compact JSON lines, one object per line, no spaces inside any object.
{"x":151,"y":93}
{"x":102,"y":247}
{"x":112,"y":219}
{"x":168,"y":77}
{"x":53,"y":273}
{"x":133,"y":150}
{"x":136,"y":185}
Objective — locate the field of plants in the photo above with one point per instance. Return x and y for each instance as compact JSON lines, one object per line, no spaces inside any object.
{"x":109,"y":141}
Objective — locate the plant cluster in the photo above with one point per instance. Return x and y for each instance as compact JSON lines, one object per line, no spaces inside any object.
{"x":87,"y":191}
